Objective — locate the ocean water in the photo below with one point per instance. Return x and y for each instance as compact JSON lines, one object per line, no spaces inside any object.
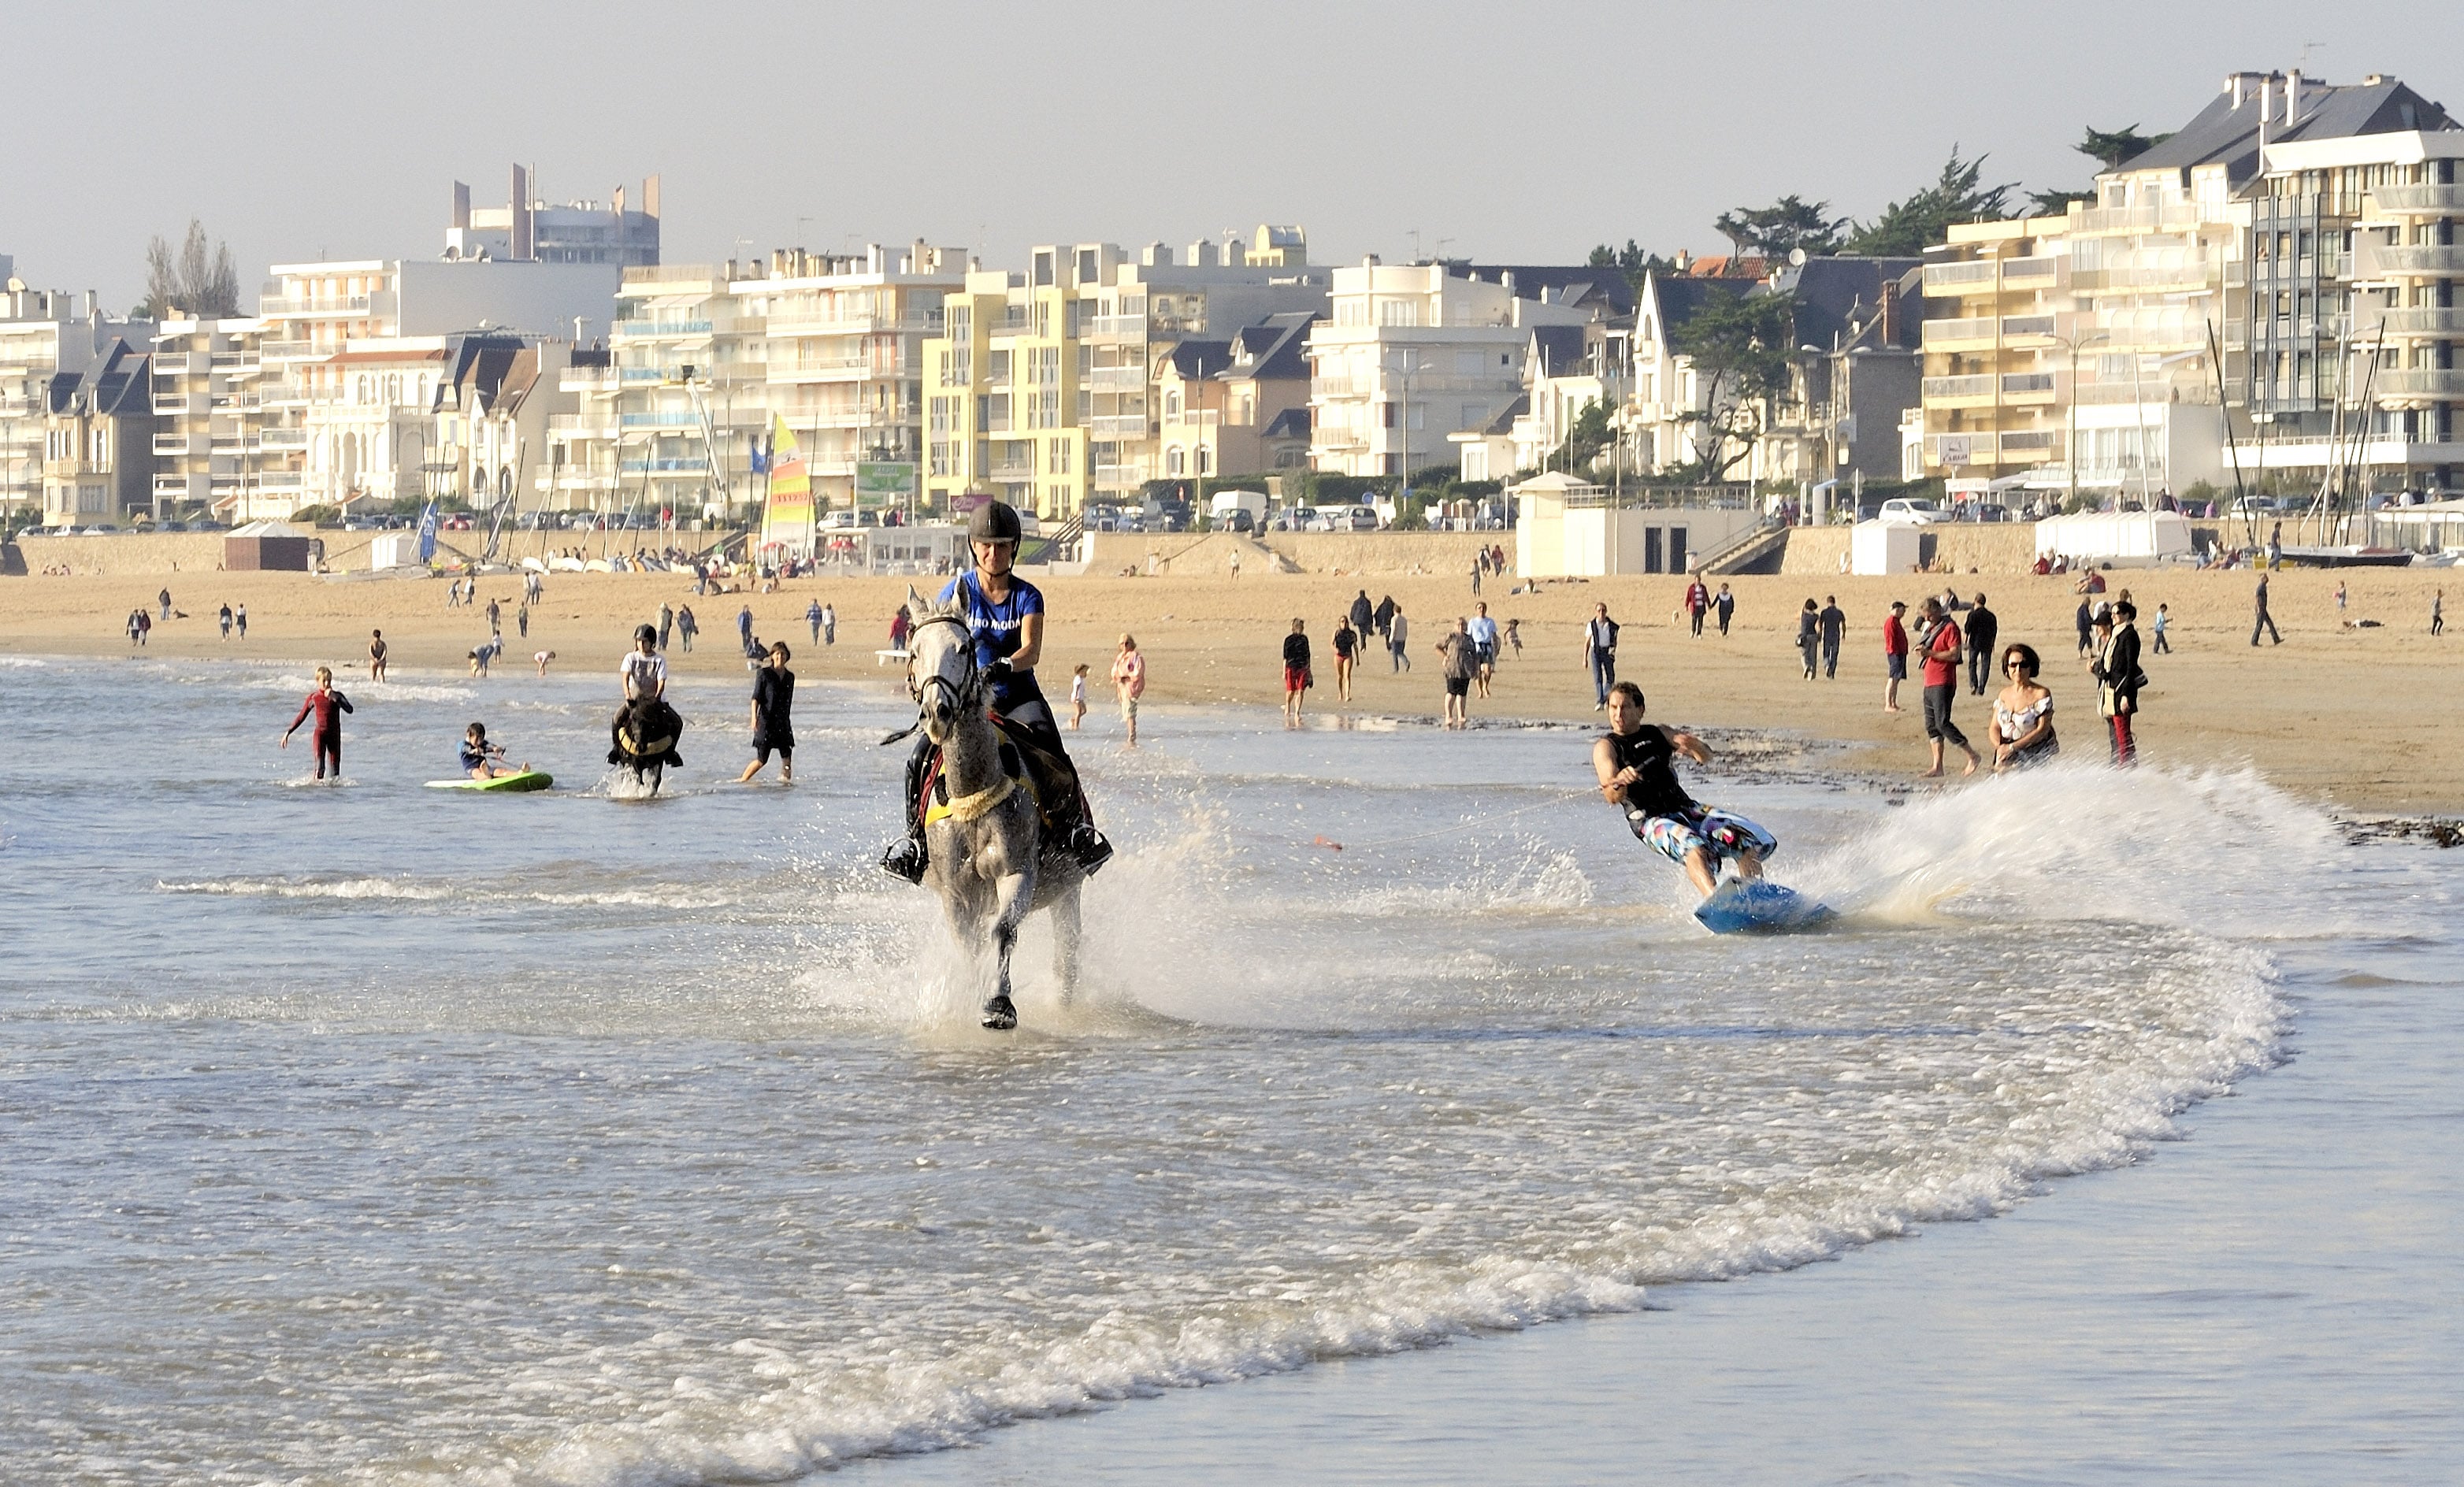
{"x":376,"y":1134}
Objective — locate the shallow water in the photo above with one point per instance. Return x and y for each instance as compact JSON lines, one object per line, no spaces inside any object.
{"x":378,"y":1134}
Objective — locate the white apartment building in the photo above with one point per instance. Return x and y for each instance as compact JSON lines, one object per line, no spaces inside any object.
{"x":44,"y":332}
{"x":705,"y":358}
{"x":579,"y":231}
{"x":1412,"y":353}
{"x":210,"y":451}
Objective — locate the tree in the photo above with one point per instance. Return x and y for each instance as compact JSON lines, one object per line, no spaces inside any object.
{"x":2110,"y":148}
{"x":1780,"y":229}
{"x":1589,"y":435}
{"x":1632,"y":260}
{"x":2054,"y":202}
{"x":200,"y":281}
{"x":1908,"y":226}
{"x":1740,"y":346}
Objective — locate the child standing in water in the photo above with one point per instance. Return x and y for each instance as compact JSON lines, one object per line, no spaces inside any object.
{"x":329,"y":706}
{"x":1077,"y":694}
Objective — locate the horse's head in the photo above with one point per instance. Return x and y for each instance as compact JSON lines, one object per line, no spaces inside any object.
{"x":941,"y":672}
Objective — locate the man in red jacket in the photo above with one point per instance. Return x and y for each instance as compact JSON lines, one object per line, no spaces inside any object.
{"x":1895,"y":656}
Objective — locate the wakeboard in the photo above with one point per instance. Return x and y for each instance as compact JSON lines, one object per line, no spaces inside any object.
{"x":1755,"y":905}
{"x":508,"y":784}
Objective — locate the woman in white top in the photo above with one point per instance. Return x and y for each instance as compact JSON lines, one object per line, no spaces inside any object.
{"x":2023,"y":713}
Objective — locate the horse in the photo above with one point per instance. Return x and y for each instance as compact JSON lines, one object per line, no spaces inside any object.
{"x":642,"y":739}
{"x":985,"y":848}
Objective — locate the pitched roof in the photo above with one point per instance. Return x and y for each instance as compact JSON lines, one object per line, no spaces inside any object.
{"x":2228,"y":132}
{"x":1274,"y":348}
{"x":1558,"y":350}
{"x":1680,"y":299}
{"x":1834,"y":294}
{"x":1575,"y":284}
{"x":1194,"y":359}
{"x":118,"y":386}
{"x":1503,"y":424}
{"x":1291,"y":422}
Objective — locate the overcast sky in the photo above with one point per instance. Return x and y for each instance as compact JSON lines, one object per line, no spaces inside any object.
{"x":1506,"y":132}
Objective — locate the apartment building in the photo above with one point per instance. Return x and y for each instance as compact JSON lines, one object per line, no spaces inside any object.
{"x":1999,"y":333}
{"x":1042,"y":386}
{"x":210,"y":445}
{"x":98,"y":441}
{"x":44,"y":332}
{"x":703,"y":358}
{"x":1414,"y":353}
{"x":353,"y":424}
{"x":579,"y":231}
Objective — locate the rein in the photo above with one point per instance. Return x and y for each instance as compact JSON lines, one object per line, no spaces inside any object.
{"x":963,"y":697}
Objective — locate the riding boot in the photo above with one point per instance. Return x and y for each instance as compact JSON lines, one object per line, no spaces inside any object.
{"x":1086,"y":845}
{"x":905,"y":856}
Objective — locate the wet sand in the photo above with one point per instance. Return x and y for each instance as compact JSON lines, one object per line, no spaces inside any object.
{"x":2365,"y":719}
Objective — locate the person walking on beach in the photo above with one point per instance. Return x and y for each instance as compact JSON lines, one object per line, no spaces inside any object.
{"x":773,"y":695}
{"x":2339,"y":601}
{"x":1478,"y":564}
{"x":1895,"y":655}
{"x":666,"y":624}
{"x":902,"y":624}
{"x":2275,"y":547}
{"x":2116,"y":670}
{"x":165,"y":598}
{"x":2023,"y":713}
{"x":136,"y":629}
{"x":1636,"y":762}
{"x":1462,"y":662}
{"x":2086,"y":621}
{"x":495,"y":614}
{"x":522,"y":619}
{"x":1130,"y":683}
{"x":1483,"y":631}
{"x":813,"y":620}
{"x":1600,"y":654}
{"x":1514,"y":637}
{"x":1345,"y":640}
{"x":829,"y":624}
{"x":2437,"y":614}
{"x":1296,"y":672}
{"x":239,"y":617}
{"x":1698,"y":603}
{"x":1942,"y":656}
{"x":2163,"y":621}
{"x":1724,"y":604}
{"x":1809,"y":631}
{"x":1835,"y":632}
{"x":1983,"y":626}
{"x":687,"y":627}
{"x":1363,"y":615}
{"x":328,"y":706}
{"x":2262,"y":619}
{"x":1398,"y":630}
{"x":744,"y":628}
{"x":224,"y":619}
{"x":376,"y":656}
{"x":1382,"y":614}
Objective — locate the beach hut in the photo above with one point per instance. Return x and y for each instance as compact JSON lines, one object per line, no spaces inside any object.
{"x":1879,"y":547}
{"x":268,"y":546}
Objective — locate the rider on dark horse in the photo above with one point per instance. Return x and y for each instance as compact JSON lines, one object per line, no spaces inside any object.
{"x":645,"y":675}
{"x":1004,"y":614}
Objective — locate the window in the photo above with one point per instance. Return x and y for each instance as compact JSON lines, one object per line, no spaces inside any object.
{"x":997,"y":368}
{"x":1042,"y":267}
{"x":1398,"y":311}
{"x":1085,"y":266}
{"x":1172,"y":405}
{"x":1386,"y":414}
{"x":1173,"y":460}
{"x":1205,"y":460}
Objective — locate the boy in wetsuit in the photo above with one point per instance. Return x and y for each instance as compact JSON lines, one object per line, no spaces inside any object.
{"x":1636,"y":764}
{"x":1004,"y":614}
{"x":773,"y":694}
{"x":329,"y":706}
{"x":479,"y":756}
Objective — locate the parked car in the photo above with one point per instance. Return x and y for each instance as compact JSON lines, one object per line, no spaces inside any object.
{"x":1293,"y":519}
{"x":1909,"y":510}
{"x":102,"y":529}
{"x":1166,"y":513}
{"x":1987,"y":510}
{"x":1351,"y":518}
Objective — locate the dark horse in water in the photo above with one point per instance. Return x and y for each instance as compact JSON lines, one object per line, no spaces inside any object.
{"x":644,"y":739}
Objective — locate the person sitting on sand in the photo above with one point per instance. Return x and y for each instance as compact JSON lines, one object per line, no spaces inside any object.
{"x":479,"y":757}
{"x":1636,"y":762}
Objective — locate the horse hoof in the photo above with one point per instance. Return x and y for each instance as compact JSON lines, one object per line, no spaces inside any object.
{"x":1000,"y":1016}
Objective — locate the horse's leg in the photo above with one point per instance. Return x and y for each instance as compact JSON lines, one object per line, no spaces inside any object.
{"x":1065,"y":942}
{"x":1012,"y":895}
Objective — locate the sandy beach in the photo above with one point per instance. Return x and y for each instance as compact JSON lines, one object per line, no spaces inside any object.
{"x":2366,"y":719}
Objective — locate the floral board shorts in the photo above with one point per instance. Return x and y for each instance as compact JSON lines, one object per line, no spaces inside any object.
{"x":1723,"y":835}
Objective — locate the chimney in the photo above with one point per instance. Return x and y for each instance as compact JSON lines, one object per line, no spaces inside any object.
{"x":619,"y":198}
{"x":523,"y":244}
{"x":1684,"y":260}
{"x":650,"y":196}
{"x":2293,"y":98}
{"x":1890,"y":313}
{"x":461,"y":206}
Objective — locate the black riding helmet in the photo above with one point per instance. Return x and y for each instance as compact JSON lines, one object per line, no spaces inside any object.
{"x":646,"y":633}
{"x":994,"y":521}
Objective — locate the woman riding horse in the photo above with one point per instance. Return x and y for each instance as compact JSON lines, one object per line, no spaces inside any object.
{"x":1004,"y":614}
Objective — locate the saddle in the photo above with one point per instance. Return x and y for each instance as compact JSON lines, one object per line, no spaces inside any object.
{"x":645,"y":734}
{"x":1049,"y":781}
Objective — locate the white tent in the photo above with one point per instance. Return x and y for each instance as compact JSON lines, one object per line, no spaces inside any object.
{"x":1879,"y":547}
{"x":2114,"y":537}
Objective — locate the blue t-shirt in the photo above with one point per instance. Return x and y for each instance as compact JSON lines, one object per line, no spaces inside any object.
{"x":996,"y":630}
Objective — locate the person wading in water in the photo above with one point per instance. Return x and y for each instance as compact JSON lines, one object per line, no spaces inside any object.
{"x":1004,"y":613}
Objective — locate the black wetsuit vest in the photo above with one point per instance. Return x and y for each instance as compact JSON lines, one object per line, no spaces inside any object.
{"x":1648,"y":752}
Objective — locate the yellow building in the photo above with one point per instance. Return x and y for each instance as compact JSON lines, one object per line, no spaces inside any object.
{"x":1999,"y":332}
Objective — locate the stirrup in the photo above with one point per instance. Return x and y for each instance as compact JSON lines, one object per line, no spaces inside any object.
{"x":904,"y":859}
{"x":1088,"y":848}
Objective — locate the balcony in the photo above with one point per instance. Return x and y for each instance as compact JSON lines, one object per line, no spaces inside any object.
{"x":274,"y":440}
{"x":2017,"y":326}
{"x":1953,"y":276}
{"x":280,"y":306}
{"x":287,"y":350}
{"x":686,"y":464}
{"x":174,"y":445}
{"x":1115,"y":327}
{"x":1012,"y":470}
{"x":171,"y":488}
{"x":2028,"y":386}
{"x":2415,"y":201}
{"x":1118,"y":426}
{"x":1117,"y":379}
{"x":2413,"y":262}
{"x":182,"y":363}
{"x":1018,"y":327}
{"x":837,"y":369}
{"x":681,"y":420}
{"x":1114,"y":477}
{"x":853,"y":324}
{"x":278,"y":480}
{"x":1939,"y":334}
{"x":1949,"y":389}
{"x":644,"y":329}
{"x":1196,"y":418}
{"x":2417,"y":383}
{"x":2172,"y":217}
{"x":2415,"y":324}
{"x":184,"y":404}
{"x":2042,"y":269}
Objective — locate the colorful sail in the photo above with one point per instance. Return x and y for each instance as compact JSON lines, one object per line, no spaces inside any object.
{"x":787,"y":515}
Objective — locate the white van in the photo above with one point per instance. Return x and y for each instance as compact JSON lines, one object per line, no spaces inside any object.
{"x":1222,"y":504}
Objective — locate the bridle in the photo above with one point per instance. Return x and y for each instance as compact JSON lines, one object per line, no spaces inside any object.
{"x":963,"y":695}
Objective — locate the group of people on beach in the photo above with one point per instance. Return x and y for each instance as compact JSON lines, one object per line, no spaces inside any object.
{"x":1467,"y":653}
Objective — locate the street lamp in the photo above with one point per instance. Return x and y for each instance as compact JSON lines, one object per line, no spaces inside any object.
{"x":2075,"y":344}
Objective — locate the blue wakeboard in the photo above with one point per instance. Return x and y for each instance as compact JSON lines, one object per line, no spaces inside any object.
{"x":1753,"y":905}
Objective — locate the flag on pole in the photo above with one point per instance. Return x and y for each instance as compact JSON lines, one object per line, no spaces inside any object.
{"x":428,"y":534}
